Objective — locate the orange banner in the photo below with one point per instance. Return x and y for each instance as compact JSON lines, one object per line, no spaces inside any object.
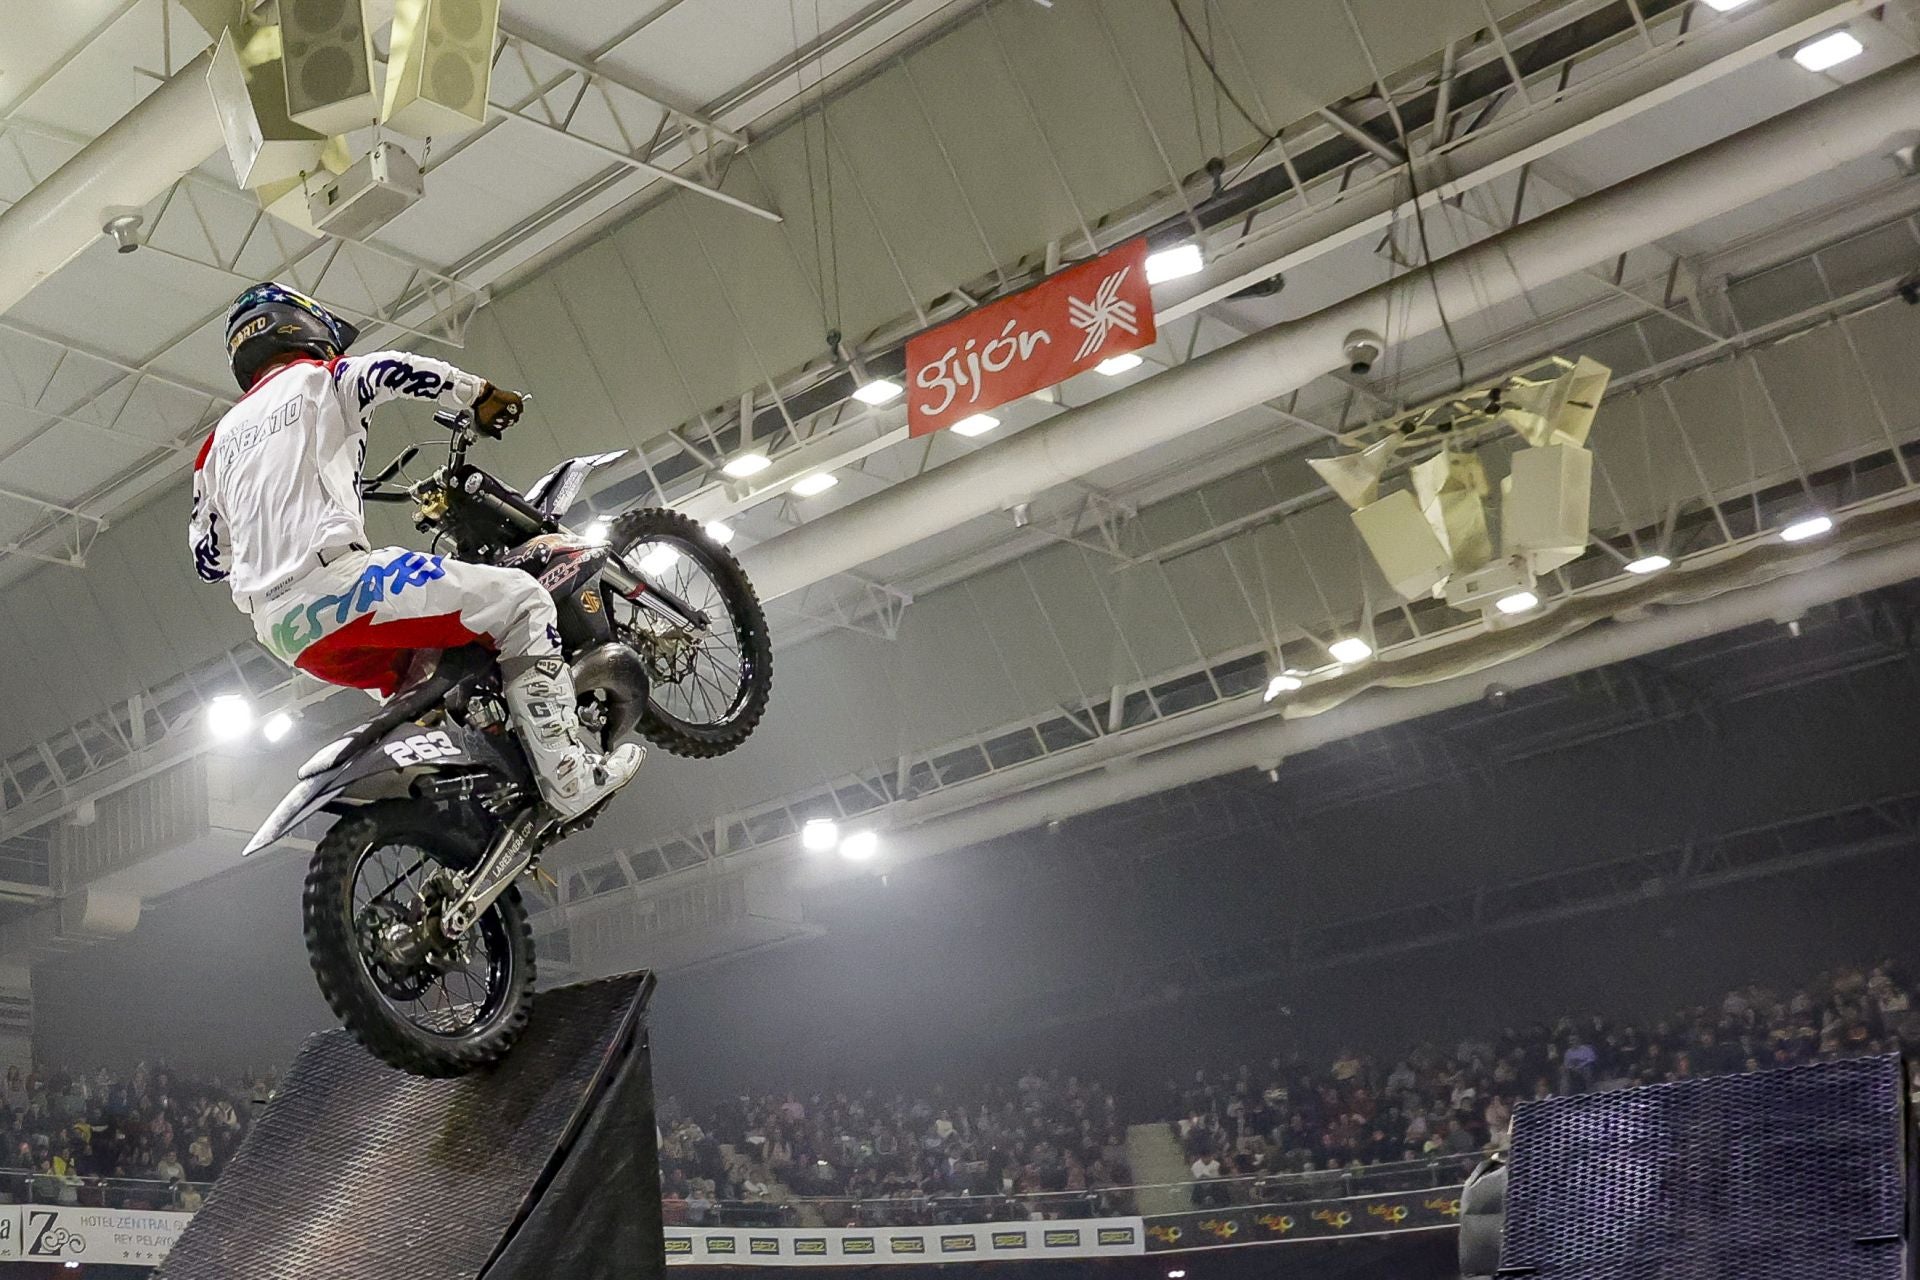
{"x":1035,"y":339}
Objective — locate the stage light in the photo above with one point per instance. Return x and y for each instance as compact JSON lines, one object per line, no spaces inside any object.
{"x":819,"y":835}
{"x":879,"y":391}
{"x":1811,"y":527}
{"x":1114,"y":366}
{"x":1350,"y":650}
{"x":860,"y":846}
{"x":816,"y":482}
{"x":1517,"y":602}
{"x":1649,"y":564}
{"x":747,"y":464}
{"x":720,"y":531}
{"x":1830,"y":50}
{"x":597,"y":530}
{"x":1725,"y":6}
{"x":1281,"y":684}
{"x":229,"y":715}
{"x":977,"y":425}
{"x":278,"y":726}
{"x":1171,"y":264}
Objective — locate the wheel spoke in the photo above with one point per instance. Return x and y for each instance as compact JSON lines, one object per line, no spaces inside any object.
{"x":436,"y":1006}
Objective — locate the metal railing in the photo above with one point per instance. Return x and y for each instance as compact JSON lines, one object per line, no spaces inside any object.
{"x":925,"y":1209}
{"x":27,"y":1186}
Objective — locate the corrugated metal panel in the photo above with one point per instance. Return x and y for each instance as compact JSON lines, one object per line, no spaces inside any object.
{"x":133,"y":823}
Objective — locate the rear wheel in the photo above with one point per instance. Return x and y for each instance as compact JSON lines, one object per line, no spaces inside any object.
{"x":707,"y":685}
{"x":416,"y":999}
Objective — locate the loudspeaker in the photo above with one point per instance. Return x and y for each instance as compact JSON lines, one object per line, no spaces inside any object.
{"x":327,"y":57}
{"x":1771,"y":1175}
{"x":440,"y":66}
{"x":289,"y":198}
{"x":1546,"y":502}
{"x":250,"y":96}
{"x":1409,"y":553}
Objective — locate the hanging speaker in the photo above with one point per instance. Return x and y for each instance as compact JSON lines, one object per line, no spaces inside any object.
{"x":250,"y":96}
{"x":441,"y":65}
{"x":327,"y":56}
{"x":1546,"y":505}
{"x":1410,"y":554}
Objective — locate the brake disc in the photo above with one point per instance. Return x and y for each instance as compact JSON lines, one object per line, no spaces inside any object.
{"x":408,"y":950}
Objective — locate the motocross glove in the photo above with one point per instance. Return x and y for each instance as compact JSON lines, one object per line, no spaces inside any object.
{"x":497,"y":409}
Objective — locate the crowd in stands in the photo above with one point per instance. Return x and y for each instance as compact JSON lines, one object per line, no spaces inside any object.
{"x":150,"y":1139}
{"x":878,"y":1159}
{"x":1292,"y":1117}
{"x":1046,"y":1145}
{"x":1290,"y":1128}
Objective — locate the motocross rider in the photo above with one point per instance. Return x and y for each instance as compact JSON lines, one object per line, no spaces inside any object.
{"x":277,"y":516}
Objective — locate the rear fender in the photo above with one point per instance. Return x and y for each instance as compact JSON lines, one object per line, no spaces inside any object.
{"x":388,"y":766}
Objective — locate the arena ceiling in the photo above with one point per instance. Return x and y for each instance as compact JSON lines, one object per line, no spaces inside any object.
{"x":921,"y":156}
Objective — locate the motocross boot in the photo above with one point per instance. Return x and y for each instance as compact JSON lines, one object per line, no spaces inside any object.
{"x":573,"y":776}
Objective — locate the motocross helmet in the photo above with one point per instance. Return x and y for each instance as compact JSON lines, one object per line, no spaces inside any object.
{"x":269,"y":320}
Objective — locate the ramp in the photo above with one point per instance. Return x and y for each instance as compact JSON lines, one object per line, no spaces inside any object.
{"x":545,"y":1166}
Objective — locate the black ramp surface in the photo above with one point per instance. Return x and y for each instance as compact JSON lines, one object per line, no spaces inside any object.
{"x":1794,"y":1174}
{"x":544,"y":1166}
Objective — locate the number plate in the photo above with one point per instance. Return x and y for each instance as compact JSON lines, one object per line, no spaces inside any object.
{"x":421,"y":748}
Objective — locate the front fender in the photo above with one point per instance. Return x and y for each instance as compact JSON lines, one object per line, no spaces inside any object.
{"x":406,"y":752}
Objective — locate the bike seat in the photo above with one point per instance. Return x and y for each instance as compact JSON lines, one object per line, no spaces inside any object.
{"x":431,"y":675}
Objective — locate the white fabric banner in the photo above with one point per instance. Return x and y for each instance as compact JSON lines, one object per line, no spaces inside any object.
{"x":50,"y":1232}
{"x":839,"y":1247}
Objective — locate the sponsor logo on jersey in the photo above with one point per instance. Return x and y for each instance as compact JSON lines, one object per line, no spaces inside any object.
{"x":301,"y":625}
{"x":396,"y":375}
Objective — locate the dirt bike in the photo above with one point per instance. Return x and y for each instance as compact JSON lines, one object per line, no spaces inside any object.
{"x":414,"y":923}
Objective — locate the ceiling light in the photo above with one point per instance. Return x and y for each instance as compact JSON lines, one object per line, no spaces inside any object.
{"x":1351,"y":650}
{"x":1649,"y":564}
{"x":1517,"y":602}
{"x":658,"y":561}
{"x":1176,"y":1274}
{"x":747,"y":464}
{"x":1829,"y":50}
{"x":978,"y":425}
{"x":1114,"y":366}
{"x":596,"y":531}
{"x":720,"y":531}
{"x":1281,"y":684}
{"x":860,"y":846}
{"x":229,"y":715}
{"x":1723,"y":6}
{"x":278,"y":726}
{"x":818,"y":835}
{"x":816,"y":482}
{"x":1811,"y":527}
{"x":879,"y":391}
{"x":1171,"y":264}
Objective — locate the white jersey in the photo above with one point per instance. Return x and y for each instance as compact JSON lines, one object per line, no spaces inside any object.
{"x":276,"y":488}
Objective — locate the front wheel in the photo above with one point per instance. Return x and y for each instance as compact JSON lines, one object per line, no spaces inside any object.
{"x":707,"y":686}
{"x":417,"y":1000}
